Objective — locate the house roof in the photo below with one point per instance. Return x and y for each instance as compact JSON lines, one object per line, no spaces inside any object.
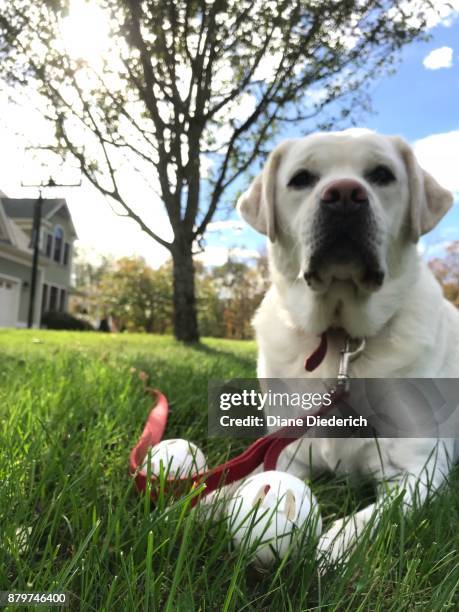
{"x":13,"y":240}
{"x":23,"y":208}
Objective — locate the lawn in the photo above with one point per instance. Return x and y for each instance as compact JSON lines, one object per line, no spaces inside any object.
{"x":70,"y":519}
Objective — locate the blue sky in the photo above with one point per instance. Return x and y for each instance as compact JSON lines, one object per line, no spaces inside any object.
{"x":418,"y":103}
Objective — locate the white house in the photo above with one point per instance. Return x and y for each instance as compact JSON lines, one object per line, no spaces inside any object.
{"x":57,"y":236}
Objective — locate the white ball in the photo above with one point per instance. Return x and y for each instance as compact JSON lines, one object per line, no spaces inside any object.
{"x":267,"y":511}
{"x":180,"y":459}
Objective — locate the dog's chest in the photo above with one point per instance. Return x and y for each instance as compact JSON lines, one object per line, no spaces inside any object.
{"x":351,"y":457}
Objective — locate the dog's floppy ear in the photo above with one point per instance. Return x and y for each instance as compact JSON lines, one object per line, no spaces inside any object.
{"x":429,"y":201}
{"x":257,"y":204}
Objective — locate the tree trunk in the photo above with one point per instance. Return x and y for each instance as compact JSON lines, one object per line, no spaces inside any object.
{"x":149,"y":325}
{"x":185,"y":314}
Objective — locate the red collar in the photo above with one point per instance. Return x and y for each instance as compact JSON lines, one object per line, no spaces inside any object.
{"x":318,"y":355}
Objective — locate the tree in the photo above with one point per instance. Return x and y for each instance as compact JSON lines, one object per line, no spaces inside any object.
{"x":138,"y":297}
{"x":192,"y":82}
{"x":209,"y":304}
{"x":87,"y":273}
{"x":241,"y":288}
{"x":446,"y":269}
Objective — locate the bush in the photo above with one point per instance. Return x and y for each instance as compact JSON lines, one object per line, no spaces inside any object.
{"x":64,"y":320}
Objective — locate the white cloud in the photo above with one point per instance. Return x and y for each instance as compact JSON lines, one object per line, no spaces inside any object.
{"x":433,"y":248}
{"x":437,"y":154}
{"x":244,"y":254}
{"x":439,"y":58}
{"x":219,"y":255}
{"x":230,"y":224}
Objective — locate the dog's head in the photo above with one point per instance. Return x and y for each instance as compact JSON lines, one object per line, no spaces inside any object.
{"x":342,"y":206}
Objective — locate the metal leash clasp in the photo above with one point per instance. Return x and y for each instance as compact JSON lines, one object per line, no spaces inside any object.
{"x":348,"y":354}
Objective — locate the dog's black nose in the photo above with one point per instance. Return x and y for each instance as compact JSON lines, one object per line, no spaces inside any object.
{"x":344,"y":196}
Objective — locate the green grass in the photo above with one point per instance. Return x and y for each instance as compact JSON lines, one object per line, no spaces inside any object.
{"x":70,"y":412}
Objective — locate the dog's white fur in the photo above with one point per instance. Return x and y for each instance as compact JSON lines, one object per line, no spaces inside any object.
{"x":410,"y":329}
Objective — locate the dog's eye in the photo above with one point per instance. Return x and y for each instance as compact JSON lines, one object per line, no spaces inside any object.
{"x":303,"y":179}
{"x":381,"y":175}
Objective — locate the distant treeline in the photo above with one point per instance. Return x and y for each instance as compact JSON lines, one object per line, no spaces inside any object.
{"x":136,"y":297}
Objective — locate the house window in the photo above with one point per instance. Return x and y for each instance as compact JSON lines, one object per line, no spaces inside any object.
{"x":62,"y":300}
{"x":66,"y":253}
{"x":44,"y":298}
{"x":58,"y":243}
{"x":49,"y":245}
{"x":53,"y":299}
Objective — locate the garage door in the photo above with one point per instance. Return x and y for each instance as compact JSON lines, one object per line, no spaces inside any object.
{"x":9,"y":302}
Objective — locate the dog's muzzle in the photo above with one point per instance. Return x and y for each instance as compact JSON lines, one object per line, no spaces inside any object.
{"x":344,"y":238}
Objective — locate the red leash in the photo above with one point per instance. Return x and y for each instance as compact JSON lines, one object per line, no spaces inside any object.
{"x":265,"y":450}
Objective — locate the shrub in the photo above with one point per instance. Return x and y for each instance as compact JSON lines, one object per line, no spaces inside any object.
{"x":64,"y":320}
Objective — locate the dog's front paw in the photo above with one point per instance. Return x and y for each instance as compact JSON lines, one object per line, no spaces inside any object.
{"x":336,"y":543}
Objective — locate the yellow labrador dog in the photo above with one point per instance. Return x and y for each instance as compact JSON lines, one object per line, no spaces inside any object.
{"x":343,"y":212}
